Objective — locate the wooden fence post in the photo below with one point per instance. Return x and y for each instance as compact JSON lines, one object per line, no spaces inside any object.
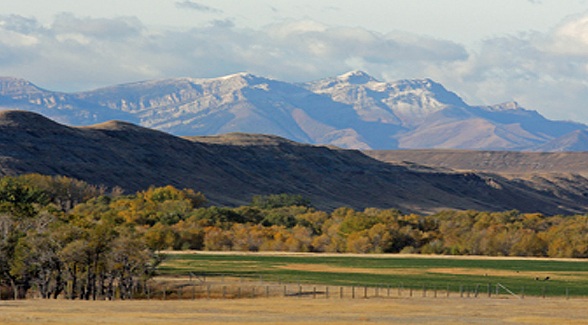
{"x":489,"y":290}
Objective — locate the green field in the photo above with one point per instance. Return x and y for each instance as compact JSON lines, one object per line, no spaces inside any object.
{"x":526,"y":276}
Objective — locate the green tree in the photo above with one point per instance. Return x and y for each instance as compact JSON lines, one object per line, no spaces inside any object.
{"x":20,"y":199}
{"x":273,"y":201}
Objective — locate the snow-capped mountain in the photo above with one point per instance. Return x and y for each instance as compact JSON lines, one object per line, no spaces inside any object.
{"x":235,"y":103}
{"x":353,"y":110}
{"x":405,"y":102}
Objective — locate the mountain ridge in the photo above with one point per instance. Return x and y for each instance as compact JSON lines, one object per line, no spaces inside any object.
{"x":353,"y":110}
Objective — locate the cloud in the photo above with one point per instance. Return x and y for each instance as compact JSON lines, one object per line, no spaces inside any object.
{"x":18,"y":24}
{"x":543,"y":71}
{"x":89,"y":51}
{"x":116,"y":28}
{"x":571,"y":37}
{"x":191,"y":5}
{"x":317,"y":50}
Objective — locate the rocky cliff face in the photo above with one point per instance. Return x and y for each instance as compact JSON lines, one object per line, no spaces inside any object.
{"x":66,"y":108}
{"x":406,"y":102}
{"x":230,"y":169}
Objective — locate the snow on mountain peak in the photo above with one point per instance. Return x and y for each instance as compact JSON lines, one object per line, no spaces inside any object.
{"x":241,"y":75}
{"x":356,"y":77}
{"x":507,"y":106}
{"x":17,"y":86}
{"x":241,"y":80}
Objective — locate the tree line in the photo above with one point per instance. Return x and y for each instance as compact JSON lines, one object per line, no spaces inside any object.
{"x":65,"y":236}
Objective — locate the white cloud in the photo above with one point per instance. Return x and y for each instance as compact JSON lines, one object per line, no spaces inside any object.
{"x":543,"y":71}
{"x":100,"y":29}
{"x":196,"y":6}
{"x":11,"y":38}
{"x":91,"y":52}
{"x":572,"y":37}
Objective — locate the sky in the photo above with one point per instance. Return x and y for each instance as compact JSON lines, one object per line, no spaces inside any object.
{"x":534,"y":52}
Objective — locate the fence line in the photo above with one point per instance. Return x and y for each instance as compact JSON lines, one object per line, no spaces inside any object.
{"x":240,"y":287}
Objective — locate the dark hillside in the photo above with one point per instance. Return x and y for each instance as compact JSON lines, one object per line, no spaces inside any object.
{"x":507,"y":162}
{"x":231,"y":169}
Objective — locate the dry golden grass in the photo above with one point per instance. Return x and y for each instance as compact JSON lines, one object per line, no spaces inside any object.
{"x":384,"y":256}
{"x":298,"y":311}
{"x":564,"y":275}
{"x":335,"y":269}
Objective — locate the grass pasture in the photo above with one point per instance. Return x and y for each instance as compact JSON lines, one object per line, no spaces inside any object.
{"x":342,"y":271}
{"x":565,"y":277}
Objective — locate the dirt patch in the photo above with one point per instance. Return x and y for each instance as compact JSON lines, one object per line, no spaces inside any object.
{"x":486,"y":272}
{"x":339,"y":269}
{"x":509,"y":273}
{"x":457,"y":271}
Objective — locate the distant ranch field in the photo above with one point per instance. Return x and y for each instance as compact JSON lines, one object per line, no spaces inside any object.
{"x":442,"y":275}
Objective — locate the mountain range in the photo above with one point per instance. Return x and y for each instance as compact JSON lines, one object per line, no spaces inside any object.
{"x":231,"y":168}
{"x":353,"y":110}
